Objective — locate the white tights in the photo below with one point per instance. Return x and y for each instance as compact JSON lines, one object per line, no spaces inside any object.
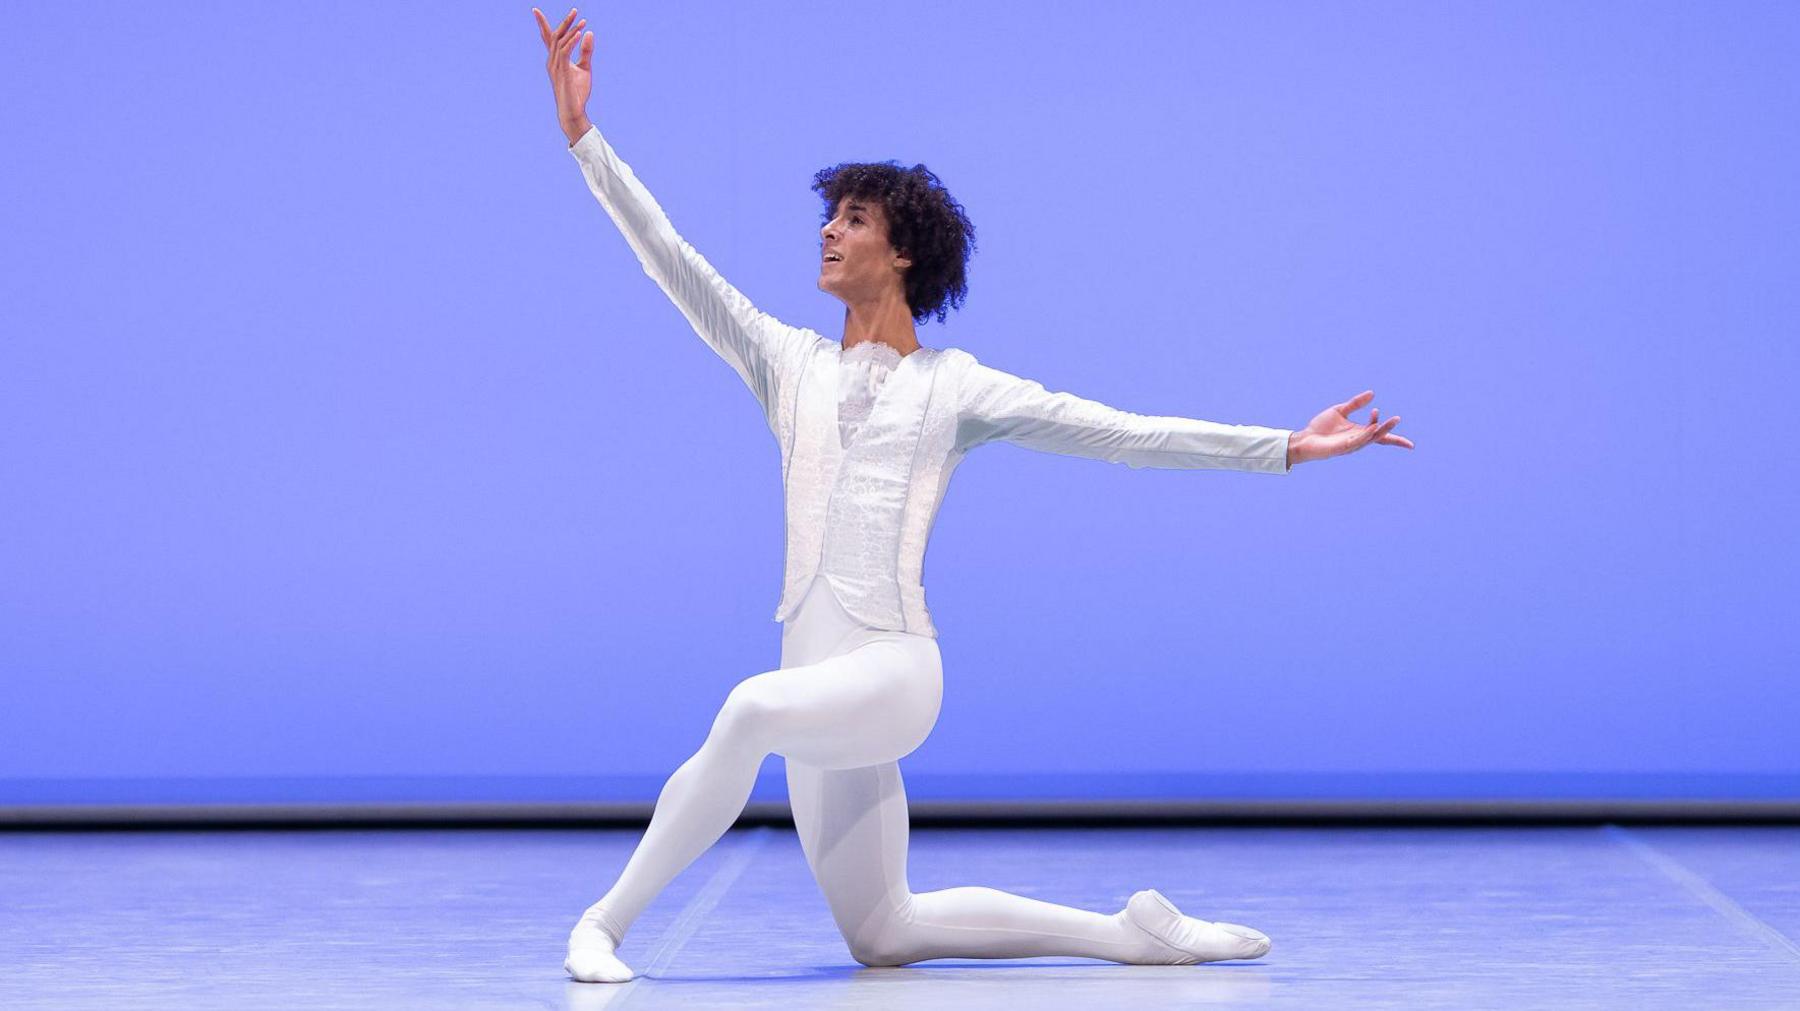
{"x":848,"y":702}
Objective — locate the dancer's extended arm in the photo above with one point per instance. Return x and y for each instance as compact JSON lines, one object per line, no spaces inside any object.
{"x":1000,"y":405}
{"x":751,"y":341}
{"x":756,"y":345}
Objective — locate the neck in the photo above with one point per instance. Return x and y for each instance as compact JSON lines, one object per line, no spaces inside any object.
{"x":885,"y":319}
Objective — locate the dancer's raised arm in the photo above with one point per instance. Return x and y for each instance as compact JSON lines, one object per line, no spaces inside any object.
{"x":756,"y":345}
{"x":999,"y":405}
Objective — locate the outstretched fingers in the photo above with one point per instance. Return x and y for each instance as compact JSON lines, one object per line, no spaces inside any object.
{"x":1355,"y":402}
{"x":561,"y":39}
{"x":544,"y":29}
{"x":1349,"y":436}
{"x":568,"y":41}
{"x":1378,"y":433}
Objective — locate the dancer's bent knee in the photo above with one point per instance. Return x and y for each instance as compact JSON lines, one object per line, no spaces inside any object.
{"x":845,"y":712}
{"x":876,"y":957}
{"x":746,"y":721}
{"x":880,"y":949}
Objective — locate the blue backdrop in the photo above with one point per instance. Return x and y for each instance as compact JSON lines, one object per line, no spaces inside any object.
{"x":348,"y":452}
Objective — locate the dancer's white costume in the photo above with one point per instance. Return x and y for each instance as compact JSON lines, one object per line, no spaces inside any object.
{"x":868,"y":441}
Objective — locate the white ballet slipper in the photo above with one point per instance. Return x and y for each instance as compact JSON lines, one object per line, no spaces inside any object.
{"x":591,"y":947}
{"x":1188,"y":939}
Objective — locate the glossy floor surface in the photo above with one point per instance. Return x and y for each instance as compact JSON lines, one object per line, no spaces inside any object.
{"x":1422,"y":917}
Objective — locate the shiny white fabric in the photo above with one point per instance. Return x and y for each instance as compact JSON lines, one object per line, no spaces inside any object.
{"x":862,"y":371}
{"x":860,"y":509}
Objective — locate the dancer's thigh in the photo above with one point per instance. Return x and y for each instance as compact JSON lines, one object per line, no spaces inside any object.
{"x":853,"y":829}
{"x":872,"y":704}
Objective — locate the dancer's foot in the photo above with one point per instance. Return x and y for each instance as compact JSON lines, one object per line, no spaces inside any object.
{"x":591,"y":947}
{"x":1184,"y":940}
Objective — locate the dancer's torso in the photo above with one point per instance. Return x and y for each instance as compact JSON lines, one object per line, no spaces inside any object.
{"x":867,"y":448}
{"x":821,"y":627}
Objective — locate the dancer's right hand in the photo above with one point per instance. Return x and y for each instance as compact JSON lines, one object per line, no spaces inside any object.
{"x":572,"y":82}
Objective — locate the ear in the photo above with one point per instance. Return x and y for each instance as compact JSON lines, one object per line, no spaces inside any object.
{"x":902,"y":261}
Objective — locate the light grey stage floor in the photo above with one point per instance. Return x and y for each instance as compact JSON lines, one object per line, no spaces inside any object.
{"x":1403,"y":917}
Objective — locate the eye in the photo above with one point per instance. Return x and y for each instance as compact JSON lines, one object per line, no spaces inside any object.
{"x":856,"y":218}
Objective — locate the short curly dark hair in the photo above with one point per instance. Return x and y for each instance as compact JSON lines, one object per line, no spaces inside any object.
{"x":924,"y":221}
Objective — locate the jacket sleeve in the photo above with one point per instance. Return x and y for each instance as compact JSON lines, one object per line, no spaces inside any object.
{"x":759,"y":347}
{"x":998,"y":405}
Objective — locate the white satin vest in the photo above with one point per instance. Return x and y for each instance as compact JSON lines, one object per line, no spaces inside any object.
{"x":861,"y":514}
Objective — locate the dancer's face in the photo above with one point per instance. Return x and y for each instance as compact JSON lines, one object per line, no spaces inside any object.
{"x":870,"y":267}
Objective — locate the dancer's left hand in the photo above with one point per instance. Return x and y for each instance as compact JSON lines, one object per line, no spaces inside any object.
{"x":1332,"y":433}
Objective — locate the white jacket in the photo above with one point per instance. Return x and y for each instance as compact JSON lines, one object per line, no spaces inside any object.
{"x":861,"y":515}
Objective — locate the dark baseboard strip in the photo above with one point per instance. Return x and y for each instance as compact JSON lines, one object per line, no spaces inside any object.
{"x":924,"y":813}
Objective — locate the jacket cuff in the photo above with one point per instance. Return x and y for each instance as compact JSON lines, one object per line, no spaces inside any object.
{"x":589,"y":139}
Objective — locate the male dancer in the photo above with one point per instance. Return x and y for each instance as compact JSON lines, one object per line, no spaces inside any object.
{"x":870,"y":429}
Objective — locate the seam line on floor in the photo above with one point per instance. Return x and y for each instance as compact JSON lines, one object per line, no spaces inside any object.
{"x":687,"y":922}
{"x":1704,"y":890}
